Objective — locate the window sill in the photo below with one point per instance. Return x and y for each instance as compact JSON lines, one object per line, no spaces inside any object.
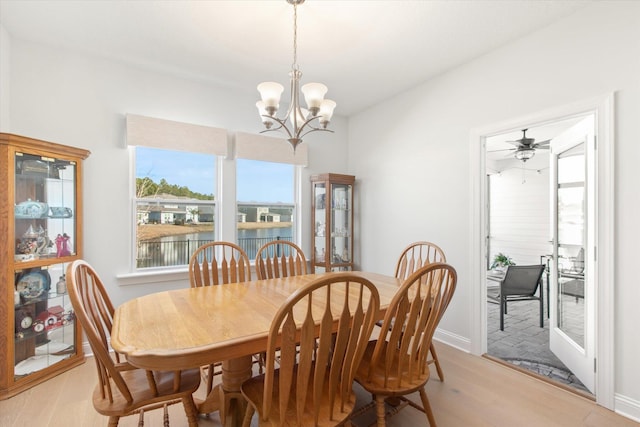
{"x":153,"y":276}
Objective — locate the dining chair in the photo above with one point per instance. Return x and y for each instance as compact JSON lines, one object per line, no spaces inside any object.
{"x":395,"y":364}
{"x":280,"y":258}
{"x":218,"y":263}
{"x":413,"y":257}
{"x":122,"y":389}
{"x":319,"y":336}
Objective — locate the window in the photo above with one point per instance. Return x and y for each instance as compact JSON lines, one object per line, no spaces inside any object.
{"x":175,"y":205}
{"x":265,"y":203}
{"x":175,"y":181}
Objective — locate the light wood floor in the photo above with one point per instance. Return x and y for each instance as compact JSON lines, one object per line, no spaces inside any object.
{"x":476,"y":392}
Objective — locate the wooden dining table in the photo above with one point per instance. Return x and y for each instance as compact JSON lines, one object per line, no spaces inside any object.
{"x":193,"y":327}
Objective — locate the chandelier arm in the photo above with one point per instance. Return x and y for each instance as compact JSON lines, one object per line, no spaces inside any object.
{"x":315,"y":129}
{"x":282,"y":124}
{"x":305,"y":125}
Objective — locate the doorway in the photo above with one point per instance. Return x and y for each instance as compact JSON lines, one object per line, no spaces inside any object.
{"x":539,"y":214}
{"x":601,"y":363}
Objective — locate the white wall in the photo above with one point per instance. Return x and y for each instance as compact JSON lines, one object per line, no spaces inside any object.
{"x":5,"y":49}
{"x":81,"y":101}
{"x":519,"y":221}
{"x":412,"y":155}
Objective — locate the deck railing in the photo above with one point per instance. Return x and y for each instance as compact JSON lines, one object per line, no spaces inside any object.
{"x":167,"y":254}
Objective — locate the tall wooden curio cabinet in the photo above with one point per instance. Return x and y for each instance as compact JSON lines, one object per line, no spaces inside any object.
{"x":332,"y":221}
{"x":41,"y":229}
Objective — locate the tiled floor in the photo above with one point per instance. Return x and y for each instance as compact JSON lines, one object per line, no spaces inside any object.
{"x":524,"y":343}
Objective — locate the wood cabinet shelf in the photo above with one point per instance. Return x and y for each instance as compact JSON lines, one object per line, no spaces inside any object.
{"x":332,"y":220}
{"x":41,"y":219}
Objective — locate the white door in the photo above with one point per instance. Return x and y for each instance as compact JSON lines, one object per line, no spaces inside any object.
{"x":573,"y":282}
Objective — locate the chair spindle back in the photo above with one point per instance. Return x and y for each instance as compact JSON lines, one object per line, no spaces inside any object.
{"x":280,"y":258}
{"x":319,"y":355}
{"x":417,"y":255}
{"x":218,"y":263}
{"x":410,"y":322}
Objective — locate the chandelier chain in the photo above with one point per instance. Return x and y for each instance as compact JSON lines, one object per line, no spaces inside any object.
{"x":295,"y":36}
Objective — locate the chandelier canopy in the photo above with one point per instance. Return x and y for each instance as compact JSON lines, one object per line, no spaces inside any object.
{"x":300,"y":119}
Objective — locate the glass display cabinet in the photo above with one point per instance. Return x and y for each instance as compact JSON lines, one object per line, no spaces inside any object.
{"x":41,"y":219}
{"x":332,"y":221}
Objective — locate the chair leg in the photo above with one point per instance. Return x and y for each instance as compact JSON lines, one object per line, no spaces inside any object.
{"x":541,"y":312}
{"x":432,"y":349}
{"x":190,"y":410}
{"x":380,"y":411}
{"x":503,"y":308}
{"x":427,"y":408}
{"x":166,"y":416}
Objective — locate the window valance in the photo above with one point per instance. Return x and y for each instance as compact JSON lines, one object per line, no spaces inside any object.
{"x":171,"y":135}
{"x":269,"y":149}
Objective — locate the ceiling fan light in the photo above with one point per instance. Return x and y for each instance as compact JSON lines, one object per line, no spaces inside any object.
{"x":525,"y":154}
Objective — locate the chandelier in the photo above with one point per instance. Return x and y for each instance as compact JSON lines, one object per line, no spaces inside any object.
{"x":300,"y":119}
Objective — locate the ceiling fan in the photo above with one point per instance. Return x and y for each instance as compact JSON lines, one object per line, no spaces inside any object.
{"x":525,"y":148}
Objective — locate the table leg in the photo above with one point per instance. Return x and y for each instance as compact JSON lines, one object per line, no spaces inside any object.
{"x":234,"y":373}
{"x":226,"y":397}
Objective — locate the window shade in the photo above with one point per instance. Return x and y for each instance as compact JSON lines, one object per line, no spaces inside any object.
{"x":269,"y":149}
{"x":170,"y":135}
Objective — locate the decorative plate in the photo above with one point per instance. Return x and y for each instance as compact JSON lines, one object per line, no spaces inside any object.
{"x":60,"y":212}
{"x":31,"y":209}
{"x":33,"y":284}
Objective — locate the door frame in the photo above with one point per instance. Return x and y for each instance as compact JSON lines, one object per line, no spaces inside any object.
{"x":603,"y":107}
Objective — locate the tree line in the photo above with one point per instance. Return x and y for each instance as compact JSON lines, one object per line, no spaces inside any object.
{"x":146,"y":187}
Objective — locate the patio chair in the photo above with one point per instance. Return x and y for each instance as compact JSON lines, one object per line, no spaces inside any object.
{"x":520,"y":284}
{"x":122,"y":389}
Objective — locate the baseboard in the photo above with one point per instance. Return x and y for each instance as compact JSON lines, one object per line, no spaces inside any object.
{"x":627,"y":407}
{"x":454,"y":340}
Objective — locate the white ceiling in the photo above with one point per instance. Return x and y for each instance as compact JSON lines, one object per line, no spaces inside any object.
{"x":364,"y":51}
{"x":500,"y":154}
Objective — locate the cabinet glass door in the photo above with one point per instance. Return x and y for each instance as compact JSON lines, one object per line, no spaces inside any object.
{"x":45,"y":233}
{"x":45,"y":331}
{"x":341,"y":251}
{"x":320,"y":201}
{"x":45,"y":200}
